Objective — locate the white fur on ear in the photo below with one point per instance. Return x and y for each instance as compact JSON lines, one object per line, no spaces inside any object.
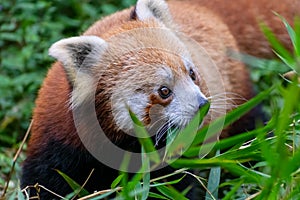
{"x":78,"y":53}
{"x":71,"y":51}
{"x":157,"y":9}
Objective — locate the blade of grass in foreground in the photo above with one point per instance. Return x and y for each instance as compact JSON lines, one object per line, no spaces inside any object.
{"x":294,"y":34}
{"x":146,"y":176}
{"x":185,"y":137}
{"x":116,"y":182}
{"x":278,"y":156}
{"x":144,"y":138}
{"x":74,"y":185}
{"x":213,"y":181}
{"x":171,"y":192}
{"x":296,"y":44}
{"x":228,"y":142}
{"x":216,"y":126}
{"x":279,"y":49}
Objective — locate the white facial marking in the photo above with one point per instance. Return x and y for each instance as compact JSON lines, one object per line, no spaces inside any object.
{"x":185,"y":103}
{"x":136,"y":102}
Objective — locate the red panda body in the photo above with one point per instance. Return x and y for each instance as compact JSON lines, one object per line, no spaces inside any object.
{"x":55,"y":143}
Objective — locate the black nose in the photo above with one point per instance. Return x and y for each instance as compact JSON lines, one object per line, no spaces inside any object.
{"x":202,"y":101}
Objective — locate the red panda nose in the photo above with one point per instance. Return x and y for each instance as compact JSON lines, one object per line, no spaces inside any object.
{"x":202,"y":102}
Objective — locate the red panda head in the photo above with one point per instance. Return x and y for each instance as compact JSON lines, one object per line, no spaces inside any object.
{"x":144,"y":66}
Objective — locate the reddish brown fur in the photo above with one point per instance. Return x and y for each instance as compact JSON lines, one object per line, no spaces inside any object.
{"x":52,"y":104}
{"x":53,"y":111}
{"x":243,"y":16}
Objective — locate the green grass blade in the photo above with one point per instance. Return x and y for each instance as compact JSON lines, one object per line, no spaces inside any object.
{"x":229,"y":195}
{"x":260,"y":63}
{"x":167,"y":183}
{"x":157,"y":196}
{"x":231,"y":165}
{"x":134,"y":187}
{"x":290,"y":31}
{"x":186,"y":190}
{"x":185,"y":137}
{"x":20,"y":194}
{"x":249,"y":175}
{"x":200,"y":163}
{"x":293,"y":33}
{"x":229,"y":142}
{"x":291,"y":96}
{"x":124,"y":179}
{"x":297,"y":39}
{"x":146,"y":176}
{"x":292,"y":165}
{"x":213,"y":181}
{"x":144,"y":138}
{"x":250,"y":152}
{"x":297,"y":45}
{"x":285,"y":55}
{"x":171,"y":193}
{"x":73,"y":184}
{"x":222,"y":122}
{"x":116,"y":182}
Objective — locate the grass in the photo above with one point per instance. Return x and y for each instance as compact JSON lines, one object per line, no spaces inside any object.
{"x":260,"y":164}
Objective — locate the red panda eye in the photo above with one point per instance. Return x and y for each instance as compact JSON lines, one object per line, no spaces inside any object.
{"x":164,"y":92}
{"x":192,"y":75}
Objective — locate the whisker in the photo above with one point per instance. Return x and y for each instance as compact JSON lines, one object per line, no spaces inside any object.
{"x":224,"y":98}
{"x":227,"y":92}
{"x":218,"y":112}
{"x":223,"y":103}
{"x":228,"y":99}
{"x":227,"y":106}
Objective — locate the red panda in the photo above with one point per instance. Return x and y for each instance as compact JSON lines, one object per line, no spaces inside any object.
{"x":162,"y":61}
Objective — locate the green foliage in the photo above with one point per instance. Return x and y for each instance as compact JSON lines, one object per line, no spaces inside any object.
{"x":78,"y":189}
{"x":292,"y":61}
{"x":27,"y":29}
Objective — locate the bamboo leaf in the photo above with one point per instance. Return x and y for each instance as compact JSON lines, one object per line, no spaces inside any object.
{"x":216,"y":126}
{"x":228,"y":142}
{"x":297,"y":39}
{"x":144,"y":138}
{"x":229,"y":195}
{"x":146,"y":177}
{"x":167,"y":183}
{"x":117,"y":181}
{"x":185,"y":137}
{"x":156,"y":196}
{"x":74,"y":185}
{"x":289,"y":29}
{"x":280,"y":50}
{"x":171,"y":193}
{"x":213,"y":181}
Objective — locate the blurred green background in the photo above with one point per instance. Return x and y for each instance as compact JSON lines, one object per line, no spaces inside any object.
{"x":27,"y":30}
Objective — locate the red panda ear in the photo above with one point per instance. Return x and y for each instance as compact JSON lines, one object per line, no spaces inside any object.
{"x":153,"y":9}
{"x":78,"y":53}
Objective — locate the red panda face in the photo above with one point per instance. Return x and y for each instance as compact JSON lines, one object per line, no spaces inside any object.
{"x":143,"y":66}
{"x":153,"y":76}
{"x":159,"y":87}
